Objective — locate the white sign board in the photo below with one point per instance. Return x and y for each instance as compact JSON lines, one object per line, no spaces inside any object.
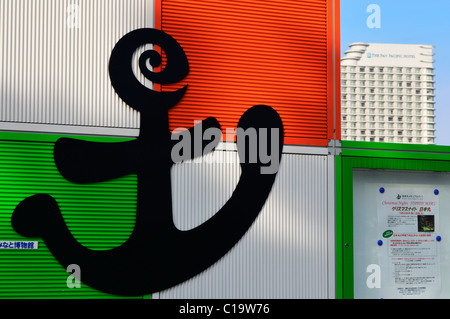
{"x":408,"y":220}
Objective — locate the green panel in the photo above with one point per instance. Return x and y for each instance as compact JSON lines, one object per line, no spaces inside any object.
{"x":372,"y":156}
{"x":100,"y":216}
{"x":390,"y":150}
{"x":395,"y":147}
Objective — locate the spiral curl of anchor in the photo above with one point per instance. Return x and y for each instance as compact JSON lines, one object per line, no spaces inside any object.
{"x":124,"y":81}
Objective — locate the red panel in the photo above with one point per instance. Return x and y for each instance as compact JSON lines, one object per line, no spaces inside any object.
{"x":247,"y":52}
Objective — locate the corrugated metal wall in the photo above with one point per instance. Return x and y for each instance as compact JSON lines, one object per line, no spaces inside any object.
{"x":285,"y":254}
{"x":53,"y":74}
{"x":100,"y":216}
{"x":243,"y":53}
{"x":54,"y":58}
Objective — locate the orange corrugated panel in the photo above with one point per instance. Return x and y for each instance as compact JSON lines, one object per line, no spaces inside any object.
{"x":248,"y":52}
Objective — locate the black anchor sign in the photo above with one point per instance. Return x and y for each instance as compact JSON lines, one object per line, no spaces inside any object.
{"x":157,"y":255}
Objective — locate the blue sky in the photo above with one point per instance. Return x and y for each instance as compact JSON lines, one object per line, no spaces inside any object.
{"x":409,"y":22}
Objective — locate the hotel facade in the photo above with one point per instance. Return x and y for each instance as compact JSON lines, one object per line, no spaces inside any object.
{"x":387,"y":93}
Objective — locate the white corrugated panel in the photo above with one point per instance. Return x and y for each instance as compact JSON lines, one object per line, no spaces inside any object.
{"x":54,"y":58}
{"x":285,"y":253}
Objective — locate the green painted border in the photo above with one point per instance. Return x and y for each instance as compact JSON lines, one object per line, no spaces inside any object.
{"x":372,"y":156}
{"x":389,"y":150}
{"x":395,"y":147}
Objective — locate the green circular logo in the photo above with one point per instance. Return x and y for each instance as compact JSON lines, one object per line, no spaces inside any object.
{"x":388,"y":233}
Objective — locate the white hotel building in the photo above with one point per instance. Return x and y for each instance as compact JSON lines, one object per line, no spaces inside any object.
{"x":388,"y":93}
